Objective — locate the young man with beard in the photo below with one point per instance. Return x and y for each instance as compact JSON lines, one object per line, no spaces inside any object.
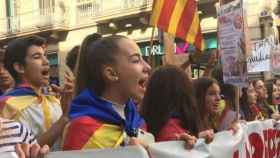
{"x":26,"y":61}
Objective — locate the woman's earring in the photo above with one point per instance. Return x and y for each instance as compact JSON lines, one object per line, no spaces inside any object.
{"x":116,"y":78}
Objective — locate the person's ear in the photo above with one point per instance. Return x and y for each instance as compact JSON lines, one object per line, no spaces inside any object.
{"x":110,"y":73}
{"x":18,"y":67}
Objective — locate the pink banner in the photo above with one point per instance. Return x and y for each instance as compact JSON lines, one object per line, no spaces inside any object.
{"x":181,"y":48}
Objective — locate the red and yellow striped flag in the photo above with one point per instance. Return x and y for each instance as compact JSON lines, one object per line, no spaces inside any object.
{"x":179,"y":18}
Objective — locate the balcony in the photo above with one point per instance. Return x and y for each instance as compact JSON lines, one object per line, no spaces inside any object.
{"x":31,"y":22}
{"x":104,"y":10}
{"x":208,"y":25}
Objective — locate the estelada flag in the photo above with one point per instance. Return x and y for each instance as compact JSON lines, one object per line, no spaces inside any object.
{"x":179,"y":18}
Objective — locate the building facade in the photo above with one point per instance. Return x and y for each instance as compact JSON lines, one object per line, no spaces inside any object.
{"x":65,"y":23}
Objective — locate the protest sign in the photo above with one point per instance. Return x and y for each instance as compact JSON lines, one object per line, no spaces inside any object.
{"x":232,"y":43}
{"x":259,"y":60}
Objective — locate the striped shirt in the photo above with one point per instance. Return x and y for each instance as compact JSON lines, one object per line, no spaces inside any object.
{"x":12,"y":133}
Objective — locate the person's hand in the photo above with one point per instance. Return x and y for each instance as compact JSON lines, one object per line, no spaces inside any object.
{"x":189,"y":139}
{"x":275,"y":123}
{"x":31,"y":151}
{"x":259,"y":117}
{"x":136,"y":141}
{"x":66,"y":93}
{"x":208,"y":135}
{"x":56,"y":90}
{"x":275,"y":116}
{"x":234,"y":127}
{"x":213,"y":59}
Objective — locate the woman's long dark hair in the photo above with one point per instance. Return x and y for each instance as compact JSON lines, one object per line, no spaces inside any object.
{"x":263,"y":104}
{"x":201,"y":85}
{"x":170,"y":93}
{"x":244,"y":104}
{"x":269,"y":87}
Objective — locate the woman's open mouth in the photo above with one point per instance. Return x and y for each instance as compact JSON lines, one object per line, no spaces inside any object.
{"x":45,"y":73}
{"x":142,"y":84}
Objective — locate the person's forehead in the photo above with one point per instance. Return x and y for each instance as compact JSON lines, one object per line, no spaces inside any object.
{"x":251,"y":87}
{"x":129,"y":46}
{"x":214,"y":86}
{"x":35,"y":49}
{"x":260,"y":83}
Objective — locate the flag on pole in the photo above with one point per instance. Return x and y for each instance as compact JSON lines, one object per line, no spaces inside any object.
{"x":179,"y":18}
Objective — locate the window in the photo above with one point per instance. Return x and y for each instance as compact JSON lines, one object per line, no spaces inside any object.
{"x":88,"y":7}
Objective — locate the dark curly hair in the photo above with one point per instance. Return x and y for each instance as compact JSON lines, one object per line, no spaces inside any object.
{"x":17,"y":51}
{"x":170,"y":93}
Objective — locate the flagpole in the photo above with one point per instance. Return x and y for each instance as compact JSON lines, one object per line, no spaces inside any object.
{"x":238,"y":88}
{"x":150,"y":59}
{"x":237,"y":94}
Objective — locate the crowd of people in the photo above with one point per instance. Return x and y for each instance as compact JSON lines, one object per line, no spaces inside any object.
{"x":115,"y":99}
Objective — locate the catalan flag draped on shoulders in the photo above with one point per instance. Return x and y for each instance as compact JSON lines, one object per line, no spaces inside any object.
{"x":179,"y":18}
{"x":37,"y":111}
{"x":95,"y":123}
